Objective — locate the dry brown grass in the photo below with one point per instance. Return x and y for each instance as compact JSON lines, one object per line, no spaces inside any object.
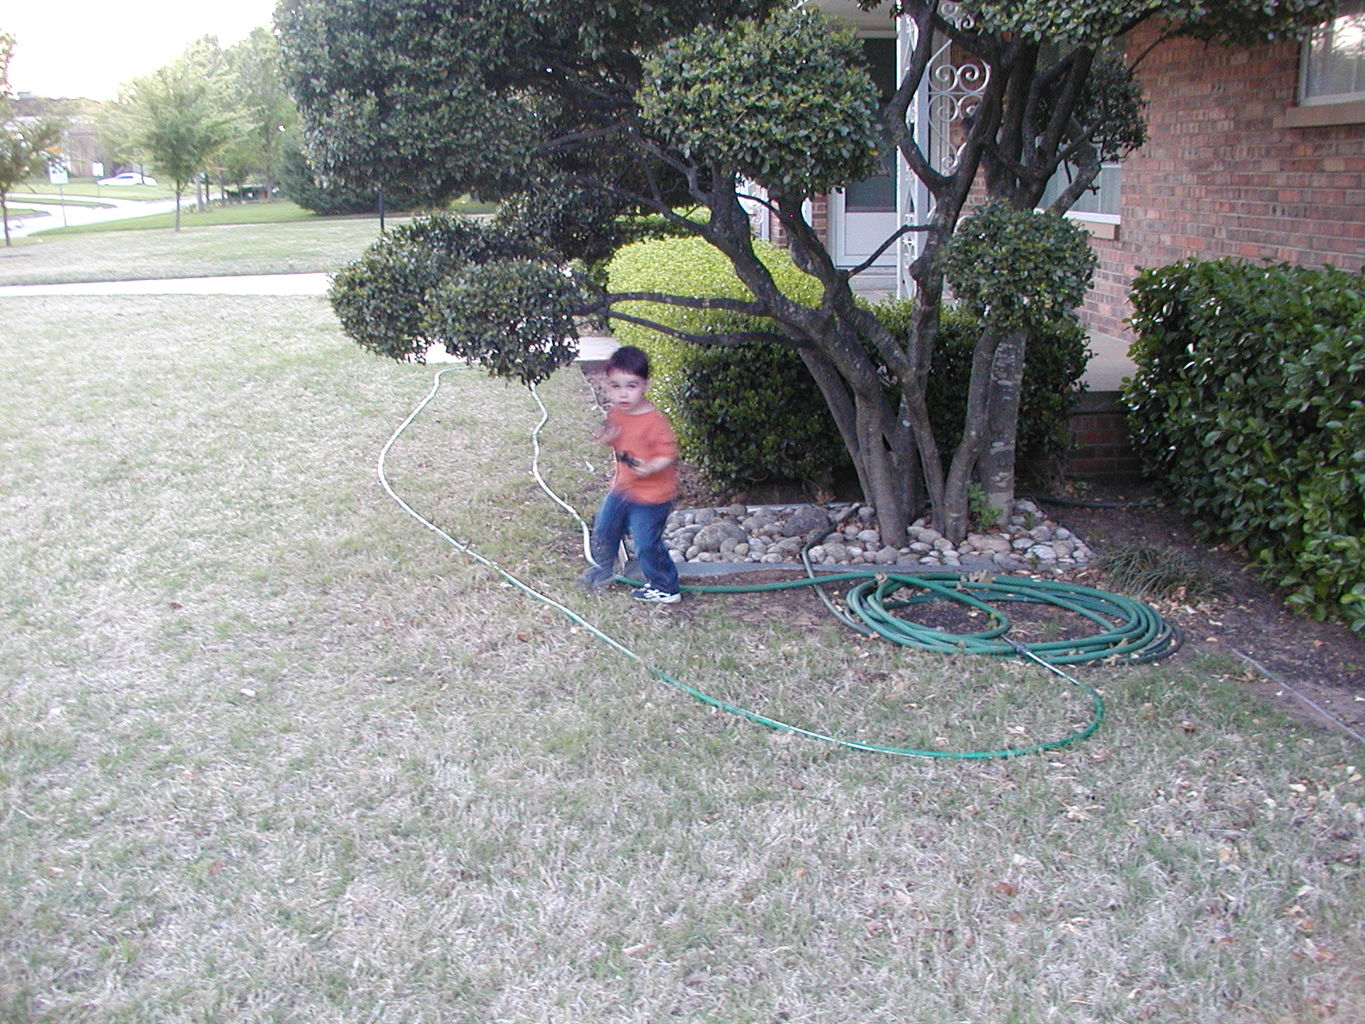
{"x":271,"y":752}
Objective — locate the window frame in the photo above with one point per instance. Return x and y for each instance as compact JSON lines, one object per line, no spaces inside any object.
{"x":1101,"y":225}
{"x":1313,"y":109}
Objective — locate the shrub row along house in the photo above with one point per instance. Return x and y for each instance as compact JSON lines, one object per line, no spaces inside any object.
{"x":1254,"y":153}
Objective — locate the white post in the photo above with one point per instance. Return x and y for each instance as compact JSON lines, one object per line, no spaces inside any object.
{"x":912,"y":195}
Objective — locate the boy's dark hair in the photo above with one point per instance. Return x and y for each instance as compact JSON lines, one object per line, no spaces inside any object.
{"x":630,"y":359}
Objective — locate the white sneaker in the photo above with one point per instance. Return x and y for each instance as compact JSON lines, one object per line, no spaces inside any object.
{"x":655,"y":596}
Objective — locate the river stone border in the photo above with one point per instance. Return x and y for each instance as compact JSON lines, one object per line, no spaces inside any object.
{"x":776,"y":534}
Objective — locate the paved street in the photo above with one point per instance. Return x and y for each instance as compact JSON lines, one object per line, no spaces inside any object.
{"x":64,"y":211}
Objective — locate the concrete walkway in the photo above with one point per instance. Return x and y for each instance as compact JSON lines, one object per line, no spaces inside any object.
{"x":1106,"y":369}
{"x":70,"y":211}
{"x":246,"y":284}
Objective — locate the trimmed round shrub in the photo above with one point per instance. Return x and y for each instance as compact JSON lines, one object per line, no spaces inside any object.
{"x":491,"y":298}
{"x":743,"y":413}
{"x":786,"y":101}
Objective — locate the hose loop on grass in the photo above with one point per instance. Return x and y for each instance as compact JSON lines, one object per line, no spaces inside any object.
{"x":1126,"y":629}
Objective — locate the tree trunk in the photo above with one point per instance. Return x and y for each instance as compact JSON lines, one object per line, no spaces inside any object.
{"x":953,"y":519}
{"x":920,"y":450}
{"x":839,"y":401}
{"x":887,"y":488}
{"x":879,"y":452}
{"x":997,"y":461}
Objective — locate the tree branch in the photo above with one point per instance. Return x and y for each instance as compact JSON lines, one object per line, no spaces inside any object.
{"x":900,"y":232}
{"x":686,"y":301}
{"x":898,"y":107}
{"x":728,"y":339}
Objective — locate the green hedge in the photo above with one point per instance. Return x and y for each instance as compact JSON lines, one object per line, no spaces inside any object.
{"x":752,"y":412}
{"x":744,"y":413}
{"x":1249,"y":405}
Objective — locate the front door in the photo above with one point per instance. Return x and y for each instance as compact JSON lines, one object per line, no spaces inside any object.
{"x":863,"y":215}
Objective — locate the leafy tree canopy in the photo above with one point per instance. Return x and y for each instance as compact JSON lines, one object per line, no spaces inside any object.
{"x":25,"y":143}
{"x":1094,"y":21}
{"x":576,"y":112}
{"x":267,"y":110}
{"x":474,"y":96}
{"x":785,"y":103}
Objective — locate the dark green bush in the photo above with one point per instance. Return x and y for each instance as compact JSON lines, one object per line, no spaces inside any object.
{"x":489,"y":297}
{"x":753,"y":412}
{"x":743,"y":413}
{"x":1053,"y":366}
{"x":299,"y":182}
{"x":1249,"y":405}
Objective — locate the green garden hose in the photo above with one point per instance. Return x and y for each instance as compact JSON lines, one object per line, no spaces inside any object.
{"x":1125,"y":629}
{"x":1128,"y":629}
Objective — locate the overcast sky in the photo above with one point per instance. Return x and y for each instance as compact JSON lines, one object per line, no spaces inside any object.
{"x":91,"y":47}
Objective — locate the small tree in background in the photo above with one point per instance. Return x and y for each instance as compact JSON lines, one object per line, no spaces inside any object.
{"x":574,"y":113}
{"x":180,"y":117}
{"x":24,"y":142}
{"x":267,"y":110}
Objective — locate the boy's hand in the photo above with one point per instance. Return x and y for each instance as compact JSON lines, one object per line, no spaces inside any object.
{"x":649,"y":466}
{"x":607,"y":433}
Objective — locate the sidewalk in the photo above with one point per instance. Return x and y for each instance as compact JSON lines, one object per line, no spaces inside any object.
{"x":1104,"y":372}
{"x":246,"y":284}
{"x":73,"y":210}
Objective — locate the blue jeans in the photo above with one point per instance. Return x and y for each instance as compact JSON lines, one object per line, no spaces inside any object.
{"x":645,"y":523}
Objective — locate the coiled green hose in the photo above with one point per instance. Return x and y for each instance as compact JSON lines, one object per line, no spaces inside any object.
{"x":1126,"y":629}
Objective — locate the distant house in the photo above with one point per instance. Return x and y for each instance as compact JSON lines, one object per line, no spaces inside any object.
{"x":1256,"y":153}
{"x":80,"y":136}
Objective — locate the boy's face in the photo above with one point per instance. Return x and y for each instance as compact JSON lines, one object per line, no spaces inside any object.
{"x":625,"y":390}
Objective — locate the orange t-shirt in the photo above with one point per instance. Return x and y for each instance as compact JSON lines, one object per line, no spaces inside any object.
{"x":644,"y":436}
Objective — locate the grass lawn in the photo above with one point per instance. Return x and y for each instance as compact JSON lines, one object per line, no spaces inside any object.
{"x":306,"y":245}
{"x":270,"y":751}
{"x":90,"y":187}
{"x":246,"y":238}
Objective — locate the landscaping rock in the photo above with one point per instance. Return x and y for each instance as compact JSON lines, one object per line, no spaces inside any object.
{"x":805,"y":519}
{"x":777,"y":535}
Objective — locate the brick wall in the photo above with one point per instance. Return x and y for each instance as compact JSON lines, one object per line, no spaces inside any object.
{"x":1101,"y":446}
{"x":818,"y":215}
{"x":1224,"y":174}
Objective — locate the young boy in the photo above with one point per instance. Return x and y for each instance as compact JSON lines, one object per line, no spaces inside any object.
{"x":641,"y":495}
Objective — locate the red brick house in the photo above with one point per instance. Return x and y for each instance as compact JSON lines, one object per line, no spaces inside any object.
{"x":1254,"y":153}
{"x":1247,"y":156}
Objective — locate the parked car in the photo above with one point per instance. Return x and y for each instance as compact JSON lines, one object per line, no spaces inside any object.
{"x":247,"y":193}
{"x":128,"y":178}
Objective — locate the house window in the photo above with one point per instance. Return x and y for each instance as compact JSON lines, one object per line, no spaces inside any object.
{"x":1100,"y":202}
{"x":1332,"y":69}
{"x":877,"y":193}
